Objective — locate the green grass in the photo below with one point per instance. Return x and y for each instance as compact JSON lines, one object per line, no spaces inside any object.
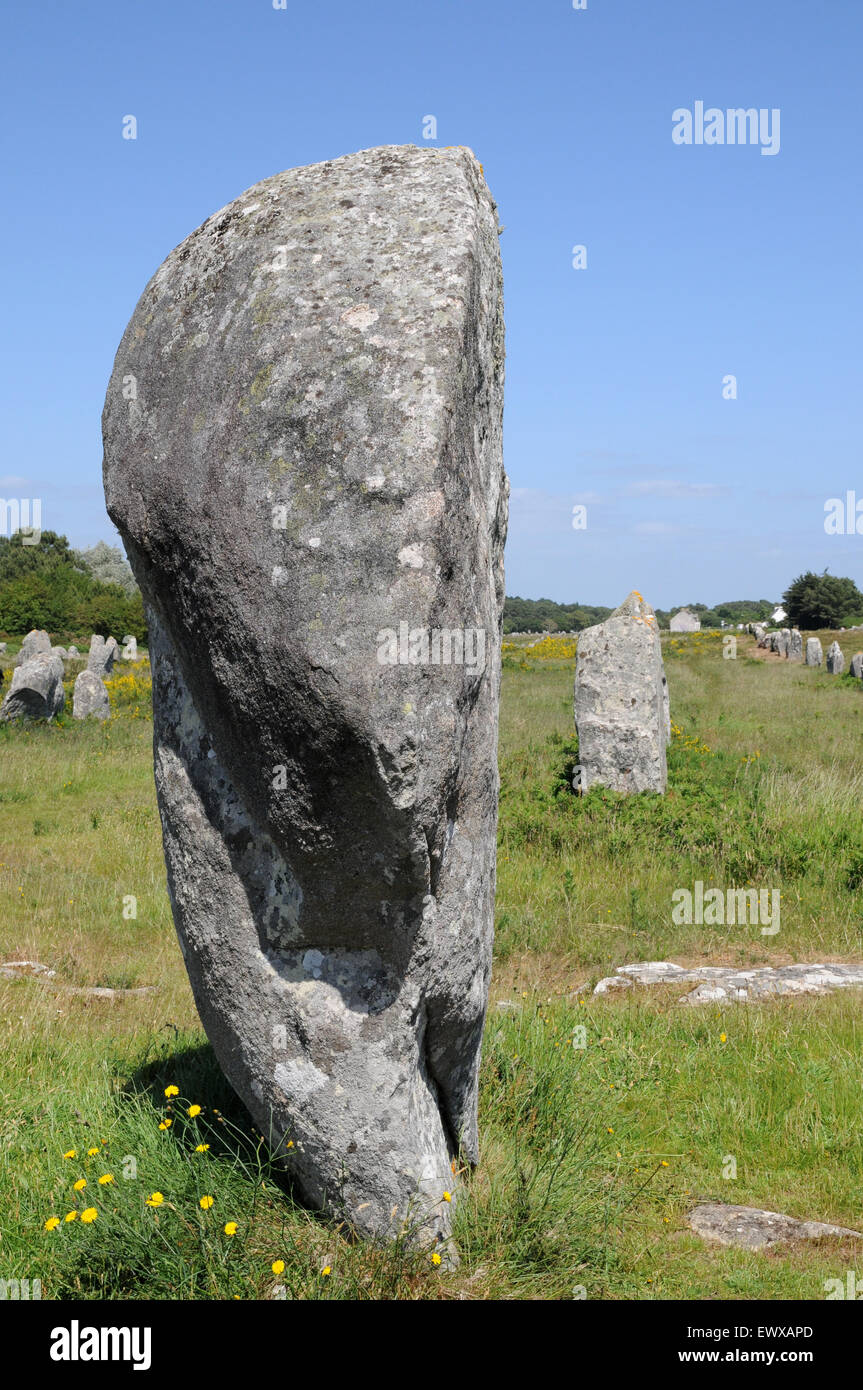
{"x":591,"y":1155}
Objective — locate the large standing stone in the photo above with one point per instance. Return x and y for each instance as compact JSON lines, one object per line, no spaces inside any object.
{"x":795,"y":651}
{"x":684,"y":620}
{"x":856,"y":667}
{"x":814,"y":652}
{"x":620,"y":711}
{"x":775,"y":638}
{"x":90,"y":697}
{"x":36,"y":691}
{"x":103,"y":654}
{"x":835,"y":659}
{"x":35,"y":642}
{"x":310,"y":489}
{"x":783,"y":646}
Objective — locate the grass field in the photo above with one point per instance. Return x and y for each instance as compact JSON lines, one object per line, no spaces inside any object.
{"x":591,"y":1154}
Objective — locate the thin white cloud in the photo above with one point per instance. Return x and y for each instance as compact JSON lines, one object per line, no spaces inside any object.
{"x":674,"y":487}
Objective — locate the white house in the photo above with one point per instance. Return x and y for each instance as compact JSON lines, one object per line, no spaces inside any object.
{"x":778,"y":615}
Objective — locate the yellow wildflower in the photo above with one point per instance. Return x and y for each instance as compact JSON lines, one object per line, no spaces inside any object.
{"x":52,"y":1223}
{"x":205,"y":1203}
{"x":89,"y":1215}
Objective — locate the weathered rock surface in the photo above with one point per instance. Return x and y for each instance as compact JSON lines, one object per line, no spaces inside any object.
{"x":61,"y":652}
{"x":856,"y":667}
{"x":36,"y":691}
{"x":72,"y":652}
{"x":90,"y":696}
{"x":620,"y":700}
{"x":33,"y":644}
{"x":725,"y":982}
{"x":314,"y":459}
{"x":751,"y":1228}
{"x":103,"y":654}
{"x":783,"y":646}
{"x":814,"y":652}
{"x":835,"y":659}
{"x":795,"y":651}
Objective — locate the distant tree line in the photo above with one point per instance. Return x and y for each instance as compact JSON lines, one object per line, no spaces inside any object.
{"x":70,"y":593}
{"x":812,"y":601}
{"x":543,"y":615}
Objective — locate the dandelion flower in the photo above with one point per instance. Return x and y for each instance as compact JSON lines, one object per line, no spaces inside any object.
{"x":172,"y":1090}
{"x":91,"y":1152}
{"x":278,"y":1266}
{"x":435,"y":1259}
{"x":155,"y":1199}
{"x":194,"y":1110}
{"x":447,"y":1196}
{"x":71,"y":1216}
{"x":70,"y":1153}
{"x":290,"y":1144}
{"x":201,"y":1148}
{"x":664,"y":1163}
{"x":52,"y":1223}
{"x":106,"y":1178}
{"x":610,"y":1130}
{"x":326,"y":1272}
{"x":230,"y":1228}
{"x":80,"y":1184}
{"x":89,"y":1215}
{"x":165,"y":1124}
{"x":205,"y":1203}
{"x":722,"y":1037}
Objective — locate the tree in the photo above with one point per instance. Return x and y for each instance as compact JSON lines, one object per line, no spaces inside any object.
{"x":823,"y":601}
{"x":108,"y":564}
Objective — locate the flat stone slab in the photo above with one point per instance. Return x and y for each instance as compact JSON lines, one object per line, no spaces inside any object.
{"x":724,"y":982}
{"x":750,"y":1228}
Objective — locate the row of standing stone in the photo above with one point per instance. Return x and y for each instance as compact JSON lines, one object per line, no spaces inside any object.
{"x":37,"y":691}
{"x":789,"y":643}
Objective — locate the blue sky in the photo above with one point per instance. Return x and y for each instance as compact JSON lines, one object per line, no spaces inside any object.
{"x":702,"y":261}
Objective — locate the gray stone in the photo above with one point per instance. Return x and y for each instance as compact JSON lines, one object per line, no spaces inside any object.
{"x":33,"y":644}
{"x":764,"y":639}
{"x":620,"y":701}
{"x":795,"y":650}
{"x":2,"y":647}
{"x":835,"y":659}
{"x":814,"y":652}
{"x":36,"y":691}
{"x":72,"y":652}
{"x":783,"y":646}
{"x":714,"y":982}
{"x":310,"y":487}
{"x":685,"y":621}
{"x":750,"y":1228}
{"x":857,"y":666}
{"x":90,"y":697}
{"x":775,"y":639}
{"x":61,"y":652}
{"x":103,"y":654}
